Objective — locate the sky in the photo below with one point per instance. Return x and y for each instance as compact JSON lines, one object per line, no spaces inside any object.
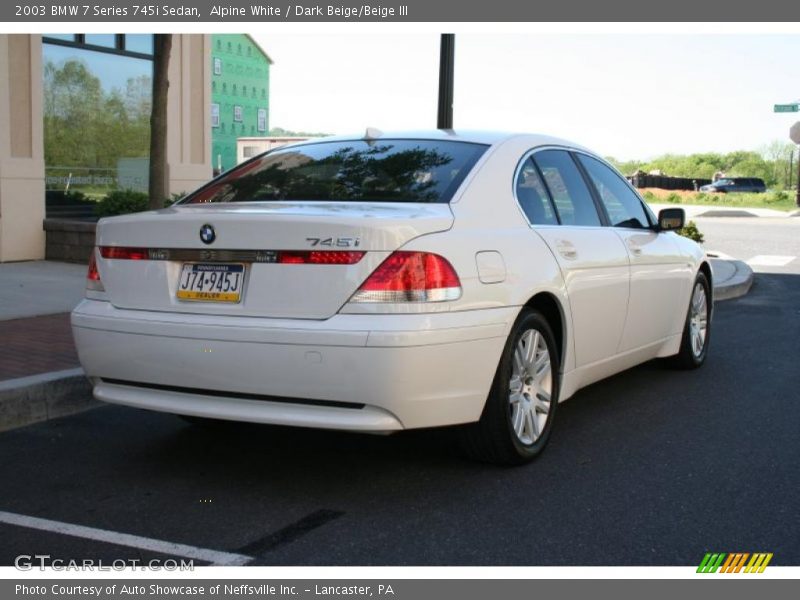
{"x":624,"y":95}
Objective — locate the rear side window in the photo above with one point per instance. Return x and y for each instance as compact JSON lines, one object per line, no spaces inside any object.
{"x":533,"y":197}
{"x":622,"y":205}
{"x":351,"y":171}
{"x":567,"y":187}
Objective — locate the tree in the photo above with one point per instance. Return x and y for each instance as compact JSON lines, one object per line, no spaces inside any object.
{"x":89,"y":128}
{"x":158,"y":188}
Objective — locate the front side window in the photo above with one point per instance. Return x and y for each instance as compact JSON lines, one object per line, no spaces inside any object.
{"x":533,"y":197}
{"x":388,"y":170}
{"x":623,"y":206}
{"x":571,"y":197}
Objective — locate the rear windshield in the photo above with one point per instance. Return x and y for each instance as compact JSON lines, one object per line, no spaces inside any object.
{"x":352,"y":171}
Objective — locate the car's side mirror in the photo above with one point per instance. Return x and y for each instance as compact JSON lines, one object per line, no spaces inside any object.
{"x":670,"y":219}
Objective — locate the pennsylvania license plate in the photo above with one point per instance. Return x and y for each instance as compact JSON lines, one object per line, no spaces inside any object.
{"x":211,"y":282}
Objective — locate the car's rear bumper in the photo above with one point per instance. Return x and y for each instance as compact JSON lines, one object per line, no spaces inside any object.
{"x":356,"y":372}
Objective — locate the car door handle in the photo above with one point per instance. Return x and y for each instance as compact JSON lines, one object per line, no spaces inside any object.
{"x":635,"y":249}
{"x":566,"y":249}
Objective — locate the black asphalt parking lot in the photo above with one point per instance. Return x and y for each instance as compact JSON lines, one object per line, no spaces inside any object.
{"x":651,"y":467}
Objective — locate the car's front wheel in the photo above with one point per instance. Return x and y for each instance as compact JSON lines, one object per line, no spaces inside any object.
{"x":697,"y":328}
{"x":518,"y":416}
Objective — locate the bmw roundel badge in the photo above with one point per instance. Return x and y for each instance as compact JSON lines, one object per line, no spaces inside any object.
{"x":207,"y":234}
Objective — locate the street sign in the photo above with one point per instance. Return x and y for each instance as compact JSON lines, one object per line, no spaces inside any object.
{"x":783,"y":108}
{"x":794,"y":133}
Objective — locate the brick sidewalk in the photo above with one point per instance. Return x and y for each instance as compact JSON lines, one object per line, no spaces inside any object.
{"x":36,"y":345}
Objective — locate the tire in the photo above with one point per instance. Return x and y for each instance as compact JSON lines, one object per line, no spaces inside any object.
{"x":508,"y":433}
{"x":697,"y":328}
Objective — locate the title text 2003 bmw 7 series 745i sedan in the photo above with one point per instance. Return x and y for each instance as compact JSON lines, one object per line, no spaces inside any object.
{"x":390,"y":282}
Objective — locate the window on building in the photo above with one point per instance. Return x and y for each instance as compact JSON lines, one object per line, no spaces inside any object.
{"x":215,"y":115}
{"x":237,"y":113}
{"x":217,"y":66}
{"x":139,"y":42}
{"x":106,"y":40}
{"x":250,"y":151}
{"x":66,"y":37}
{"x":234,"y":89}
{"x":262,"y":119}
{"x":96,"y":115}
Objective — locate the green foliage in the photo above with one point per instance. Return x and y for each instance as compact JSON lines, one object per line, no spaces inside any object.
{"x":691,"y":231}
{"x":173,"y":198}
{"x":626,"y":167}
{"x":121,"y":202}
{"x":66,"y":198}
{"x":771,"y":163}
{"x":649,"y":196}
{"x":281,"y":132}
{"x":87,"y":126}
{"x":776,"y":199}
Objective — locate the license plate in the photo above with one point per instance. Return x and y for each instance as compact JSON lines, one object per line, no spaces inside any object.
{"x":211,"y":282}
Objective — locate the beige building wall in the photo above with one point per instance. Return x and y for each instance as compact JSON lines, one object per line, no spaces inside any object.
{"x":22,"y":204}
{"x":21,"y":148}
{"x":189,"y":113}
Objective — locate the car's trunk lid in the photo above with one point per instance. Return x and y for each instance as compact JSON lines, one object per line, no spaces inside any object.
{"x":250,"y":234}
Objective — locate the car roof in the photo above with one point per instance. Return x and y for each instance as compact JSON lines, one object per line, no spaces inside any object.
{"x":459,"y":135}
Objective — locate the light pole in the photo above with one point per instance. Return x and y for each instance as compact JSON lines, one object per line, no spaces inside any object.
{"x":447,"y":53}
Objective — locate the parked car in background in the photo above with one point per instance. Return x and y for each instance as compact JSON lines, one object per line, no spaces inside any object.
{"x":736,"y":184}
{"x":392,"y":282}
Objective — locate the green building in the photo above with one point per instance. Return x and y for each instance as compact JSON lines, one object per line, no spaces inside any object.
{"x":239,"y":95}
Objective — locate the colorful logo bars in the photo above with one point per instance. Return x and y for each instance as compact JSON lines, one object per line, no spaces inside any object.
{"x":734,"y":562}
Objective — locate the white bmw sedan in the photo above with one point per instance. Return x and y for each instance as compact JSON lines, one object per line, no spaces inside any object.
{"x":391,"y":282}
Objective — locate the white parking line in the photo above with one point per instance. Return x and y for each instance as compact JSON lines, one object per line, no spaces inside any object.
{"x":215,"y":557}
{"x":770,"y":260}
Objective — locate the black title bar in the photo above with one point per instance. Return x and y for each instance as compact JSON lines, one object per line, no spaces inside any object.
{"x":450,"y":11}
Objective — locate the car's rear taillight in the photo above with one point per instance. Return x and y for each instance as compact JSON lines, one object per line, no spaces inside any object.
{"x":319,"y":257}
{"x":411,"y":277}
{"x":93,"y":276}
{"x":119,"y":252}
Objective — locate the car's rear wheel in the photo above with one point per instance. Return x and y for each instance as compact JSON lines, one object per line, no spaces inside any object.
{"x":697,"y":328}
{"x":518,"y":416}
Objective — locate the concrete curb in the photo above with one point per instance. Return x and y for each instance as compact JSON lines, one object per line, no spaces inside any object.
{"x":737,"y":284}
{"x":27,"y":400}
